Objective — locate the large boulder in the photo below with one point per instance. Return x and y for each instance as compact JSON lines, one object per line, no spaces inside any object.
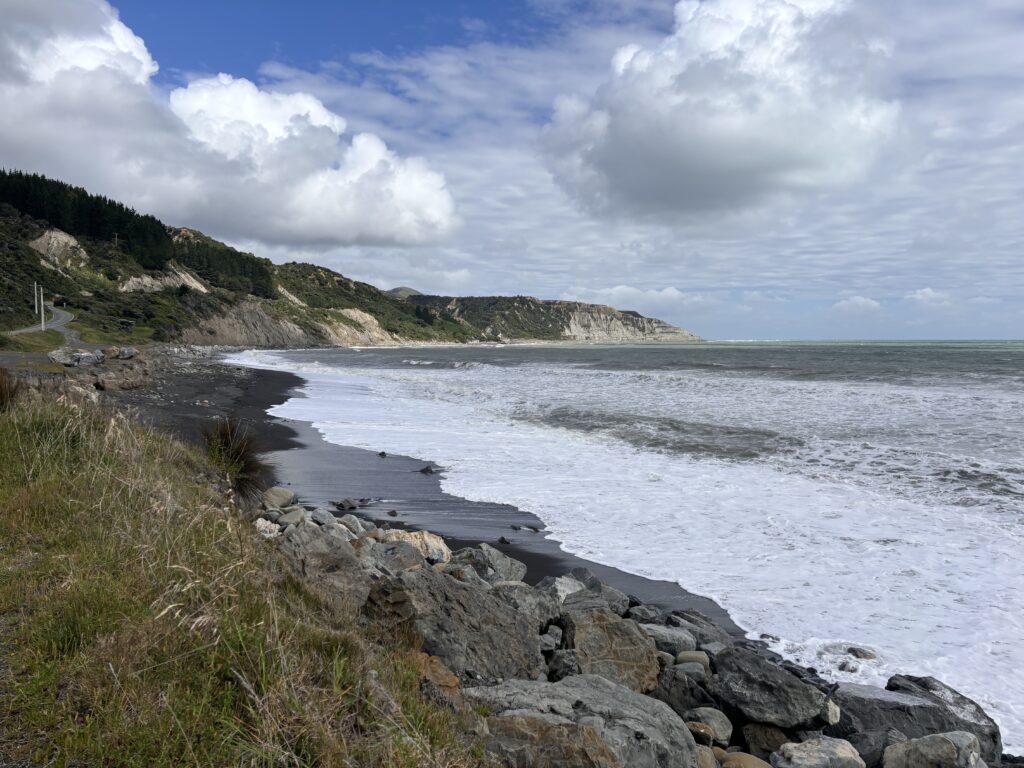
{"x":611,"y":647}
{"x":328,"y":563}
{"x":703,"y":629}
{"x":674,"y":640}
{"x":766,"y":693}
{"x":615,"y":600}
{"x":560,"y":586}
{"x":968,"y":714}
{"x":958,"y":749}
{"x":681,"y":691}
{"x":477,"y":634}
{"x":543,"y":607}
{"x":491,"y":565}
{"x":820,"y":752}
{"x":916,"y":711}
{"x":582,"y":721}
{"x":278,"y":497}
{"x":430,"y":545}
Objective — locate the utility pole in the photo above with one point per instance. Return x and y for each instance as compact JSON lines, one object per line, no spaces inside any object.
{"x":115,"y":240}
{"x":42,"y":309}
{"x":35,"y":295}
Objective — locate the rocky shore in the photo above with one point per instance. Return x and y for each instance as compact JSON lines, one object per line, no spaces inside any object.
{"x":566,"y":670}
{"x":573,"y":672}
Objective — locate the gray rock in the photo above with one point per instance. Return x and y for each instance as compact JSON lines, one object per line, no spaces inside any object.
{"x":715,"y":719}
{"x":871,"y":745}
{"x":967,"y":714}
{"x":646,"y":614}
{"x":293,"y":516}
{"x":703,"y":629}
{"x":79,"y":358}
{"x":328,"y":565}
{"x":695,"y":657}
{"x":560,"y":586}
{"x":390,"y":557}
{"x":681,"y":692}
{"x":693,"y":670}
{"x":867,"y":708}
{"x":563,"y":663}
{"x":345,"y":505}
{"x":278,"y":497}
{"x":353,"y":523}
{"x":582,"y":721}
{"x":339,"y":532}
{"x":612,"y":647}
{"x":542,"y":606}
{"x":549,"y":643}
{"x":820,"y":752}
{"x":491,"y":565}
{"x":465,"y":573}
{"x":127,"y":353}
{"x":271,"y":515}
{"x":616,"y":600}
{"x":713,"y":649}
{"x":555,"y":632}
{"x":957,"y":749}
{"x":674,"y":640}
{"x":764,"y":692}
{"x":477,"y":634}
{"x":323,"y":517}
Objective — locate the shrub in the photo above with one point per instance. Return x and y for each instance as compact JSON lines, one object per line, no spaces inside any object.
{"x":9,"y":386}
{"x":232,"y":448}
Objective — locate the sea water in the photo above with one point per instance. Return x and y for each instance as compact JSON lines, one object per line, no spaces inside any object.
{"x":824,"y":494}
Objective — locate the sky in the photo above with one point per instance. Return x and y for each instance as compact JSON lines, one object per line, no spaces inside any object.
{"x":746,"y":169}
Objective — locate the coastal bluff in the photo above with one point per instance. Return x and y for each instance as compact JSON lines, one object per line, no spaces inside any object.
{"x":573,"y":672}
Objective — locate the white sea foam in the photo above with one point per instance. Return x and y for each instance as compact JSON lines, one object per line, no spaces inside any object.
{"x":821,"y":555}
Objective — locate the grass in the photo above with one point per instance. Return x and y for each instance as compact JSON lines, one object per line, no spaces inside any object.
{"x":231,"y":447}
{"x":143,"y":624}
{"x":38,"y":341}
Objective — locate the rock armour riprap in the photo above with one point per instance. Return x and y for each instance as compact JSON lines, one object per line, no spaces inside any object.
{"x":482,"y":626}
{"x":583,"y":721}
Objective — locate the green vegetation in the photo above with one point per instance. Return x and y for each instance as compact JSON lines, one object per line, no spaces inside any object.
{"x":515,"y":317}
{"x":9,"y":388}
{"x":224,"y":267}
{"x":319,"y":287}
{"x":143,"y":623}
{"x":79,"y":213}
{"x":41,"y":341}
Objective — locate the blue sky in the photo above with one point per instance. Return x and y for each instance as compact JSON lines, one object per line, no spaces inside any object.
{"x":744,"y":168}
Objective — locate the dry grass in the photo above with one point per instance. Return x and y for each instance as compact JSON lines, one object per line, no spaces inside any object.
{"x":9,"y":387}
{"x":147,"y":626}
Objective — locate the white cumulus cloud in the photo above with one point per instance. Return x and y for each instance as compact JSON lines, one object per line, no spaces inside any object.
{"x":928,"y":297}
{"x":745,"y":100}
{"x":223,"y":154}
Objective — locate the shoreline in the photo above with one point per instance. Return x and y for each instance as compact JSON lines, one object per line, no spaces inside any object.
{"x":185,"y":395}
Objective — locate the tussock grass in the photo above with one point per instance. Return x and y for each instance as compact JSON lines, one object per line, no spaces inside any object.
{"x":9,"y":387}
{"x":231,"y":446}
{"x":38,"y":341}
{"x":143,"y":624}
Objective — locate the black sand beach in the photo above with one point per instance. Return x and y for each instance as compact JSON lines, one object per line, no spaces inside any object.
{"x":187,"y":392}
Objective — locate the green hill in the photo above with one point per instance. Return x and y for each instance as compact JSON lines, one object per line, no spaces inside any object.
{"x":129,"y":278}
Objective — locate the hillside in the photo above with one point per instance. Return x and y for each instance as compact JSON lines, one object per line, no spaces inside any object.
{"x":129,"y":278}
{"x":523,"y":318}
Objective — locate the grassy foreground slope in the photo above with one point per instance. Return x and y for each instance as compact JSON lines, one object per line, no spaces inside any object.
{"x":142,"y":623}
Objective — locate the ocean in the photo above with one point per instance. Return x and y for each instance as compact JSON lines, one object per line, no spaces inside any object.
{"x":824,"y":494}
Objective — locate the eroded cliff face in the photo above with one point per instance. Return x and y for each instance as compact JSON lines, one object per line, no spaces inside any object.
{"x":248,"y":324}
{"x":173,"y":277}
{"x":595,"y":323}
{"x":523,"y":318}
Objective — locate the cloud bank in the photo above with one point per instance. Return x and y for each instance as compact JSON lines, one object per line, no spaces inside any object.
{"x":219,"y":153}
{"x":745,"y":101}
